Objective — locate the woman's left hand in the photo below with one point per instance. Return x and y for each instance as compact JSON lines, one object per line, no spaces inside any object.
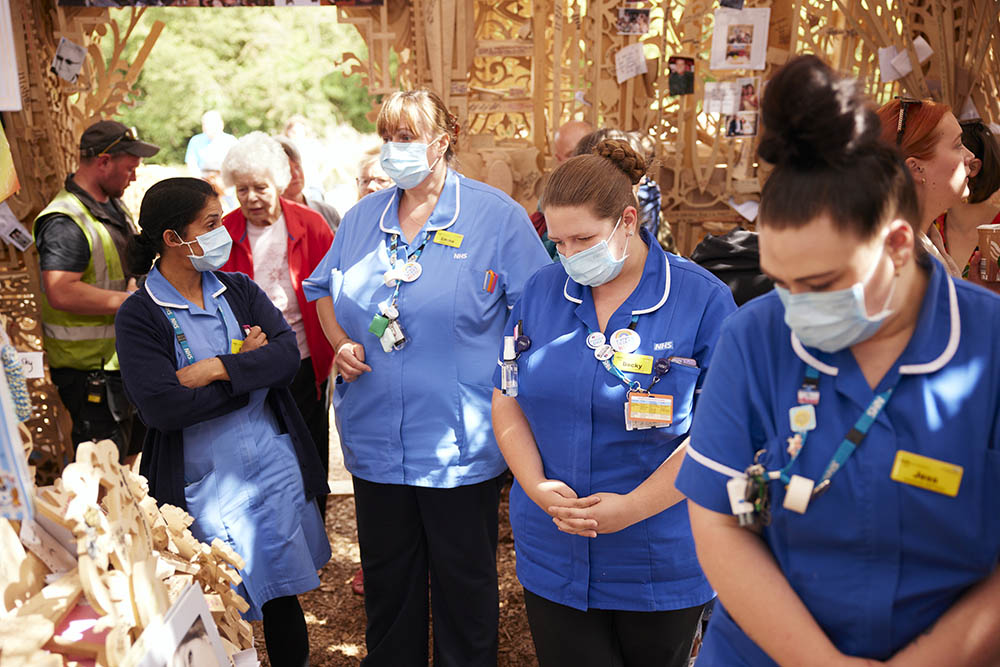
{"x":614,"y":512}
{"x":202,"y":373}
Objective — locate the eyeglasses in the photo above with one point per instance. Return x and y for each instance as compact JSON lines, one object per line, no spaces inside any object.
{"x":129,"y":134}
{"x":904,"y":104}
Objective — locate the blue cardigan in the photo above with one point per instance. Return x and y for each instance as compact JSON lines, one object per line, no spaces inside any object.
{"x":145,"y":342}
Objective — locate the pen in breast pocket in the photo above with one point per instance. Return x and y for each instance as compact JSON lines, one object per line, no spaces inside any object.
{"x":246,"y":330}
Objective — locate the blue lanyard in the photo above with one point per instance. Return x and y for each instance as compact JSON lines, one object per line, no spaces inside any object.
{"x":393,"y":256}
{"x":851,"y":441}
{"x":181,"y":338}
{"x":633,"y":385}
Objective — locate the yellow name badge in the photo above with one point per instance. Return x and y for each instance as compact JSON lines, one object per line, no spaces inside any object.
{"x":448,"y":238}
{"x":927,"y":473}
{"x":235,"y":346}
{"x":633,"y":363}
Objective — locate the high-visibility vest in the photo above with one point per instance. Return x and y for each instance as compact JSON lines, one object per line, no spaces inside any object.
{"x":84,"y":341}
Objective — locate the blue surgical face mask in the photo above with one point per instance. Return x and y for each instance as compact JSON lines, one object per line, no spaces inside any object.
{"x":832,"y":321}
{"x":595,"y":265}
{"x":406,"y":163}
{"x":215,"y":247}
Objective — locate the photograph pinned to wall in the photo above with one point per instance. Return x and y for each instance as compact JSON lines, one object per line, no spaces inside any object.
{"x":721,"y":97}
{"x":749,"y":93}
{"x":10,"y":91}
{"x":633,"y":21}
{"x":68,"y":61}
{"x":742,"y":124}
{"x":731,"y":4}
{"x":187,"y":635}
{"x":681,"y":78}
{"x":16,"y":485}
{"x":12,"y":231}
{"x":739,"y":39}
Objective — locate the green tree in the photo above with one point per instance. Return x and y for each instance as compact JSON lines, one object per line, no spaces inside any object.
{"x":257,"y":66}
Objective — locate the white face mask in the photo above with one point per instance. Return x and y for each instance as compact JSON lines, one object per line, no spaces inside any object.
{"x":595,"y":265}
{"x":832,"y":321}
{"x":406,"y":163}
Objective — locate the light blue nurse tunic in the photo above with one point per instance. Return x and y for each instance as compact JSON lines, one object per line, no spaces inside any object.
{"x":575,"y":408}
{"x":242,"y":482}
{"x":421,"y":417}
{"x":876,"y":561}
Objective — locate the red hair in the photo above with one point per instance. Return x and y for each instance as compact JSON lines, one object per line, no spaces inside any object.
{"x":919,"y":136}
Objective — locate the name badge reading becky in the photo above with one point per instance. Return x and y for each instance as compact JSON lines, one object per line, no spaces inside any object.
{"x":452,"y":239}
{"x":633,"y":363}
{"x":927,"y":473}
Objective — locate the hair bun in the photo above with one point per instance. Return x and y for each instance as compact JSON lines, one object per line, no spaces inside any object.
{"x":813,"y":118}
{"x":624,"y":157}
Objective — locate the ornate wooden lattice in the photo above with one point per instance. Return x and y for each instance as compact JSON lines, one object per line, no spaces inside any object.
{"x":44,"y":137}
{"x":534,"y":64}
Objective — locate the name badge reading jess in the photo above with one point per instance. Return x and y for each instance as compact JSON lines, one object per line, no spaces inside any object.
{"x":448,"y":238}
{"x":235,"y":346}
{"x":633,"y":363}
{"x":927,"y":473}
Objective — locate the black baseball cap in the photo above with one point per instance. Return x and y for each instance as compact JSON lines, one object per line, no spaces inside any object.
{"x":109,"y":137}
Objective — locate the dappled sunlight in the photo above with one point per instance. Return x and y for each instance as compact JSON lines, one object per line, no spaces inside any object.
{"x":951,"y":388}
{"x":347,"y":650}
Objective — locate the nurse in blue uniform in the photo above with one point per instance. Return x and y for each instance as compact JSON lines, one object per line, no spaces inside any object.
{"x":599,"y":372}
{"x":207,"y":360}
{"x":850,"y":419}
{"x":413,"y":295}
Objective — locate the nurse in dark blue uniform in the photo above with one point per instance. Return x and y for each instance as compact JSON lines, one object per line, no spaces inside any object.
{"x":601,"y":364}
{"x":850,"y":418}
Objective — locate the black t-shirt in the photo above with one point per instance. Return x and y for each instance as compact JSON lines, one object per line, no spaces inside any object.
{"x":62,"y":245}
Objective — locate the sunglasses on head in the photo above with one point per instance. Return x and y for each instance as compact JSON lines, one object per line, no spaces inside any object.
{"x":904,"y":104}
{"x":129,"y":134}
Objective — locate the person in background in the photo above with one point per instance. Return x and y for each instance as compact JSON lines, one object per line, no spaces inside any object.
{"x":206,"y":149}
{"x":208,"y":360}
{"x":311,"y":152}
{"x":294,"y":191}
{"x":958,"y":225}
{"x":371,"y":178}
{"x":604,"y":547}
{"x":414,"y":294}
{"x":567,"y":136}
{"x":929,"y":138}
{"x":81,"y":236}
{"x":279,"y":243}
{"x":843,"y":465}
{"x":734,"y":259}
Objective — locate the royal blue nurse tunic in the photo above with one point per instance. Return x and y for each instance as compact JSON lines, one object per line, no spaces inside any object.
{"x":875,"y":561}
{"x":576,"y":412}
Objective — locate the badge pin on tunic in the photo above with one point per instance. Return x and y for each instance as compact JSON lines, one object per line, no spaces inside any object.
{"x":595,"y":340}
{"x":625,"y":340}
{"x":802,"y":418}
{"x":604,"y":352}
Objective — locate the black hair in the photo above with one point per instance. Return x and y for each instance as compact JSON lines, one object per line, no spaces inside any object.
{"x":978,"y":138}
{"x":173,"y":203}
{"x":823,"y":138}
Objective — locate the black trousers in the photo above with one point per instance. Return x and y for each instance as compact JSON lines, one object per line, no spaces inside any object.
{"x":92,"y":399}
{"x":408,"y":532}
{"x":609,"y":638}
{"x":316,"y":415}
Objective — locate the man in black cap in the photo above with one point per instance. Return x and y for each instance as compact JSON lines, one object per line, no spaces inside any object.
{"x":81,"y":237}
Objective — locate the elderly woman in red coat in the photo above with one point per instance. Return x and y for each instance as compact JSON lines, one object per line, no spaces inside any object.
{"x":278,"y":243}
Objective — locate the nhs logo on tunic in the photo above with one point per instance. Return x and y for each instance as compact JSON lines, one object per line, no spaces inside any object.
{"x":666,"y":345}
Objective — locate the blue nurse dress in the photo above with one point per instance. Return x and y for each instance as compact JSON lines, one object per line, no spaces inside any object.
{"x":421,"y":417}
{"x":576,"y":412}
{"x":242,"y":482}
{"x":875,"y":561}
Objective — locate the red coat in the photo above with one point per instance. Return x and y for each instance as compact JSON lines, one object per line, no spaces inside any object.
{"x":309,"y":237}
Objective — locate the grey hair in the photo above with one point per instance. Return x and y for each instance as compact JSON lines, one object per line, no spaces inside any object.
{"x":289,"y":147}
{"x":257,"y":154}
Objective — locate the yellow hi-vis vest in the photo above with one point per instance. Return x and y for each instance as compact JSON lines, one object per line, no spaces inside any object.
{"x":83,"y":341}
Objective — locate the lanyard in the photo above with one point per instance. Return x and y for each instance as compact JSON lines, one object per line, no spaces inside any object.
{"x":413,"y":257}
{"x":181,"y":338}
{"x":810,"y":394}
{"x":633,"y":385}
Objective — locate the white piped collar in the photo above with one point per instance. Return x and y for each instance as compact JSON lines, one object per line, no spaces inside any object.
{"x":157,"y":277}
{"x":452,"y":178}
